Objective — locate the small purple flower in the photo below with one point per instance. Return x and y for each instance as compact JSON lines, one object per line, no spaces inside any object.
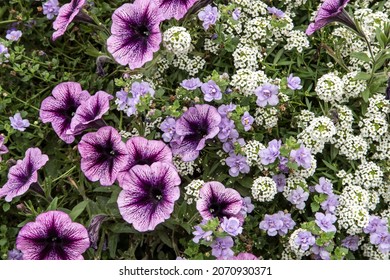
{"x":191,"y":84}
{"x":224,"y":110}
{"x":231,"y":226}
{"x":208,"y":16}
{"x":280,"y":180}
{"x":283,"y":164}
{"x":320,"y":252}
{"x":305,"y":239}
{"x":351,"y":242}
{"x":4,"y":55}
{"x":294,"y":83}
{"x":227,"y":129}
{"x":174,"y":8}
{"x":66,"y":14}
{"x":324,"y":186}
{"x":51,"y":8}
{"x":14,"y":35}
{"x":267,"y":94}
{"x":199,"y":233}
{"x":193,"y":128}
{"x":330,"y":204}
{"x":93,"y":229}
{"x":141,"y":89}
{"x":272,"y":224}
{"x":18,"y":123}
{"x":23,"y":174}
{"x":302,"y":157}
{"x":221,"y":247}
{"x":217,"y":201}
{"x":15,"y":255}
{"x":382,"y":239}
{"x":270,"y":154}
{"x":236,"y":14}
{"x":375,"y":224}
{"x":237,"y":164}
{"x":288,"y":223}
{"x":3,"y":148}
{"x":53,"y":236}
{"x":298,"y":198}
{"x":168,"y":126}
{"x":247,"y":121}
{"x":325,"y":222}
{"x":135,"y":33}
{"x":149,"y":194}
{"x":103,"y":155}
{"x":244,"y":257}
{"x":211,"y":91}
{"x":247,"y":206}
{"x":276,"y":12}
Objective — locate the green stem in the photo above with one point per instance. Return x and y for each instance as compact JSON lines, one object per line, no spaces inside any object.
{"x":25,"y":103}
{"x":65,"y":174}
{"x":8,"y":21}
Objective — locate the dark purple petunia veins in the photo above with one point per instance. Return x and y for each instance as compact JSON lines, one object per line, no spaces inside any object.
{"x":175,"y":8}
{"x":66,"y":14}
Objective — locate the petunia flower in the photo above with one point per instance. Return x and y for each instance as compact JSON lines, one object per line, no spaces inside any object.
{"x":66,"y":14}
{"x":149,"y":194}
{"x":3,"y":148}
{"x":244,"y":257}
{"x":23,"y":174}
{"x":60,"y":108}
{"x":193,"y":128}
{"x":174,"y":8}
{"x":53,"y":236}
{"x":135,"y":33}
{"x":143,"y":151}
{"x":217,"y":201}
{"x":103,"y":155}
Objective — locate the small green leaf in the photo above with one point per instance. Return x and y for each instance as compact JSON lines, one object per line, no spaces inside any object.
{"x":78,"y":209}
{"x":361,"y":56}
{"x":53,"y":204}
{"x":6,"y":207}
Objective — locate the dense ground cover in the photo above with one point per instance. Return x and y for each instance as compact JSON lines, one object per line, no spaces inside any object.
{"x":194,"y":129}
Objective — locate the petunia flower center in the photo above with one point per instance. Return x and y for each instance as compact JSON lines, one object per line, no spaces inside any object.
{"x":141,"y":30}
{"x":216,"y":209}
{"x":156,"y":194}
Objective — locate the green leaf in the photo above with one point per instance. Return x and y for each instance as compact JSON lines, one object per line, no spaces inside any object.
{"x":165,"y":238}
{"x":330,"y":166}
{"x":361,"y":56}
{"x":53,"y":204}
{"x":112,"y":244}
{"x":78,"y":209}
{"x":6,"y":207}
{"x":314,"y":206}
{"x":362,"y":76}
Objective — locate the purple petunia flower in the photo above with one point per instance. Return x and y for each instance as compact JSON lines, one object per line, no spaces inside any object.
{"x":305,"y":239}
{"x":23,"y":174}
{"x":149,"y":194}
{"x":247,"y":121}
{"x":90,"y":111}
{"x":231,"y":226}
{"x":199,"y":233}
{"x":143,"y":151}
{"x":168,"y":126}
{"x":60,"y":108}
{"x":211,"y":91}
{"x":330,"y":204}
{"x":217,"y":201}
{"x":247,"y":206}
{"x":66,"y":14}
{"x":276,"y":12}
{"x":209,"y":16}
{"x":351,"y":242}
{"x":294,"y":83}
{"x":280,"y":180}
{"x":320,"y":252}
{"x":298,"y":198}
{"x":330,"y":11}
{"x":267,"y":94}
{"x":193,"y":128}
{"x":245,"y":257}
{"x":135,"y":33}
{"x":224,"y":110}
{"x":270,"y":154}
{"x":302,"y":157}
{"x":237,"y":164}
{"x":14,"y":35}
{"x":221,"y":247}
{"x":272,"y":224}
{"x":18,"y":123}
{"x":3,"y":148}
{"x":51,"y":8}
{"x":174,"y":8}
{"x":325,"y":222}
{"x":191,"y":84}
{"x":236,"y":14}
{"x":103,"y":155}
{"x":53,"y":236}
{"x":375,"y":224}
{"x":15,"y":254}
{"x":324,"y":186}
{"x":381,"y":238}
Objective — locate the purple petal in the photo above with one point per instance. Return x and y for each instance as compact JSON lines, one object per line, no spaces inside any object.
{"x":175,"y":8}
{"x":66,"y":14}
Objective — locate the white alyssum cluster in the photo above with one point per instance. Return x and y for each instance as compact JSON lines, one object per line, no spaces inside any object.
{"x":256,"y":29}
{"x":352,"y":87}
{"x":266,"y":117}
{"x":151,"y":126}
{"x":192,"y":191}
{"x":246,"y":81}
{"x":306,"y":173}
{"x":251,"y":151}
{"x":293,"y":183}
{"x":353,"y":147}
{"x":369,"y":175}
{"x":373,"y":126}
{"x":264,"y":189}
{"x":247,"y":57}
{"x":330,"y":88}
{"x":129,"y":134}
{"x":184,"y":168}
{"x":297,"y":40}
{"x":383,"y":149}
{"x":177,"y":40}
{"x":252,"y":8}
{"x":372,"y":252}
{"x":211,"y":46}
{"x":190,"y":65}
{"x":304,"y":118}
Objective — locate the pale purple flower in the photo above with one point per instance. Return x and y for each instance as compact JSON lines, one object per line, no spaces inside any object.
{"x":139,"y":89}
{"x":221,"y":247}
{"x":66,"y":14}
{"x":217,"y":201}
{"x":174,"y":8}
{"x":270,"y":154}
{"x":3,"y":148}
{"x":294,"y":83}
{"x":280,"y":180}
{"x":272,"y":224}
{"x":236,"y":13}
{"x":211,"y":91}
{"x":94,"y":228}
{"x":375,"y":224}
{"x":103,"y":155}
{"x":288,"y":223}
{"x":320,"y":252}
{"x":283,"y":164}
{"x":4,"y":55}
{"x":351,"y":242}
{"x":149,"y":194}
{"x":23,"y":174}
{"x":53,"y":236}
{"x":247,"y":121}
{"x":15,"y":254}
{"x":298,"y":198}
{"x":267,"y":94}
{"x":227,"y":130}
{"x":330,"y":204}
{"x":381,"y":239}
{"x":199,"y":233}
{"x":276,"y":12}
{"x":135,"y":33}
{"x":51,"y":8}
{"x":237,"y":164}
{"x":231,"y":226}
{"x":304,"y":240}
{"x":168,"y":126}
{"x":191,"y":84}
{"x":224,"y":110}
{"x":244,"y":257}
{"x":247,"y":206}
{"x":325,"y":222}
{"x":18,"y":123}
{"x":324,"y":186}
{"x":14,"y":35}
{"x":209,"y":16}
{"x":302,"y":157}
